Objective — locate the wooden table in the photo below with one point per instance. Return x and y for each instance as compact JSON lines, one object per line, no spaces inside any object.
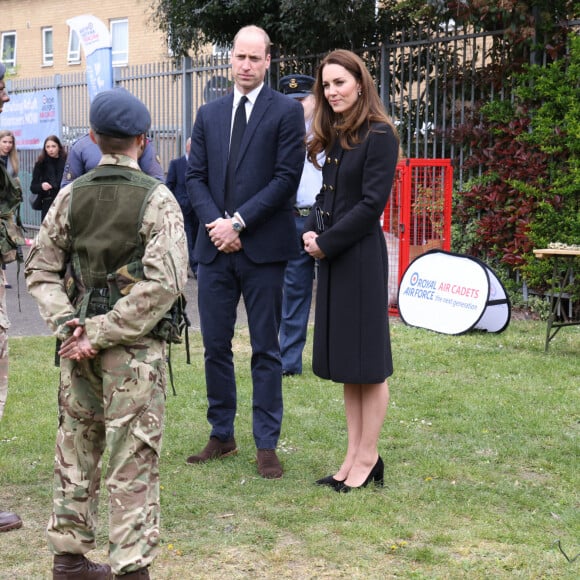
{"x":562,"y":277}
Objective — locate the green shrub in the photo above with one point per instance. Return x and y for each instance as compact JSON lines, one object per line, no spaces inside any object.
{"x":528,"y":194}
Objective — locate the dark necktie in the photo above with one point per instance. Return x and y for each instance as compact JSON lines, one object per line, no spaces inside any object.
{"x":235,"y":142}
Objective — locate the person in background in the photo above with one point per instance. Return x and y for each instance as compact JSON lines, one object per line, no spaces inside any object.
{"x":351,"y":329}
{"x":299,"y":273}
{"x":113,"y":355}
{"x":9,"y":158}
{"x":8,"y":153}
{"x":84,"y":155}
{"x":8,"y":520}
{"x":176,"y":183}
{"x":47,"y":173}
{"x":245,"y":238}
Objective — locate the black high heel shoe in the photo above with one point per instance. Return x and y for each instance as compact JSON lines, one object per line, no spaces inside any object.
{"x":377,"y":475}
{"x":330,"y":481}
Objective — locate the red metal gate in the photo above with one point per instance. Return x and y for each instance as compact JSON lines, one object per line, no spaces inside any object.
{"x":418,"y":216}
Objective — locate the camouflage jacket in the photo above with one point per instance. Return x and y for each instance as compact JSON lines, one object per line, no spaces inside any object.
{"x":164,"y":265}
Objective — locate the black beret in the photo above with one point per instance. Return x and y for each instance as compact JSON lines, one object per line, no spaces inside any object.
{"x":119,"y":114}
{"x":296,"y":86}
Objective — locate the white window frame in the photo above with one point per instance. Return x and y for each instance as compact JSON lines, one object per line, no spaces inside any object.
{"x":74,"y":52}
{"x":10,"y":63}
{"x":47,"y":55}
{"x":120,"y":54}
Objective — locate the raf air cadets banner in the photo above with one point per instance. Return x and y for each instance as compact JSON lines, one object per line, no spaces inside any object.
{"x":452,"y":294}
{"x":96,"y":42}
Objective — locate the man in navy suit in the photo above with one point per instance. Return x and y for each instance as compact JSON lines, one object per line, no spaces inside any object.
{"x":245,"y":238}
{"x":176,"y":183}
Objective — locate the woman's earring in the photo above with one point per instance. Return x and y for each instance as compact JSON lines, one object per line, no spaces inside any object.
{"x":359,"y":92}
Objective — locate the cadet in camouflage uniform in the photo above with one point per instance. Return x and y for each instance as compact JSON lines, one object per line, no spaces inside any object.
{"x":113,"y":377}
{"x":8,"y":520}
{"x":4,"y":322}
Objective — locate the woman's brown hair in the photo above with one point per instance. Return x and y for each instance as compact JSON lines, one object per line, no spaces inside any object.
{"x":61,"y":150}
{"x":349,"y":127}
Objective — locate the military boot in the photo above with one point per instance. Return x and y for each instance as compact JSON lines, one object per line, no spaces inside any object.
{"x":9,"y":521}
{"x":77,"y":567}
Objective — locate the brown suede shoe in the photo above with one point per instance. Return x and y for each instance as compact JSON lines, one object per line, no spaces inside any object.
{"x":77,"y":567}
{"x":268,"y":464}
{"x":141,"y":574}
{"x":9,"y":521}
{"x":215,"y":449}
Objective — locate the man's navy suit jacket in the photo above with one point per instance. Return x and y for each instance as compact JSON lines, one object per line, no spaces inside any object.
{"x":176,"y":183}
{"x":268,"y":171}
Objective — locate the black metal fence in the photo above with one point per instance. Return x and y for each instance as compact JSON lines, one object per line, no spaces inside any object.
{"x":429,"y":82}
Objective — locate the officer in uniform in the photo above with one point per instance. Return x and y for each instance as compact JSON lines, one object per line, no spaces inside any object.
{"x":117,"y":235}
{"x":299,"y":273}
{"x":8,"y":520}
{"x":84,"y":155}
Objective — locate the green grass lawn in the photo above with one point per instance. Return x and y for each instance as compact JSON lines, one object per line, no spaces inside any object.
{"x":481,"y":450}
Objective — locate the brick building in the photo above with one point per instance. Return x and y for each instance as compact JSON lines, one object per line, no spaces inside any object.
{"x":36,"y":41}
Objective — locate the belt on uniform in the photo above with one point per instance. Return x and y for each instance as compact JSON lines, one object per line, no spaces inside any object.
{"x":302,"y":211}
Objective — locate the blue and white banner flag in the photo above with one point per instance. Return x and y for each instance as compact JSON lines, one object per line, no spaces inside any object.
{"x":96,"y":42}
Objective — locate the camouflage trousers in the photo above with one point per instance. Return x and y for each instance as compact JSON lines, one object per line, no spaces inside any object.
{"x":3,"y":369}
{"x":114,"y":402}
{"x":4,"y":324}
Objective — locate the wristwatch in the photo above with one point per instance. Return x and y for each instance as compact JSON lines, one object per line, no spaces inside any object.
{"x":238,"y":227}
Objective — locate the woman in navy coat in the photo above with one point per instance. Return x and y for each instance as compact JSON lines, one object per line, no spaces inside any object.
{"x":351,"y":332}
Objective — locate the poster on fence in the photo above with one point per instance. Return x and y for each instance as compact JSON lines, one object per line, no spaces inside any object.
{"x":31,"y":116}
{"x":452,"y":294}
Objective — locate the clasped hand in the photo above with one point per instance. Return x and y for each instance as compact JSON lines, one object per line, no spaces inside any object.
{"x":311,"y":245}
{"x":77,"y":346}
{"x":223,"y":236}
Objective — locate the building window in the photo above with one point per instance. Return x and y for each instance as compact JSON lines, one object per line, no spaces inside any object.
{"x":47,"y":52}
{"x":74,"y":48}
{"x":221,"y":50}
{"x":8,"y":49}
{"x":120,"y":41}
